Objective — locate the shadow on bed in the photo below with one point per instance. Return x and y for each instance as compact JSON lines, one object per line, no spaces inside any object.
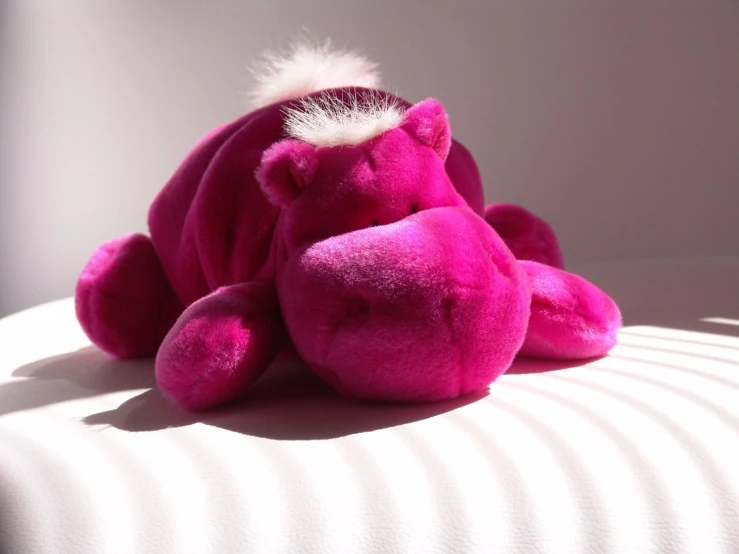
{"x":288,"y":403}
{"x":291,"y":403}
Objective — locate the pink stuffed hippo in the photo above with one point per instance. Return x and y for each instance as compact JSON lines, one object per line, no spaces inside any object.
{"x":343,"y":222}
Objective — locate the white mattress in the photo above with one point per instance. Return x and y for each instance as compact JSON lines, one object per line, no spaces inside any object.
{"x":637,"y":452}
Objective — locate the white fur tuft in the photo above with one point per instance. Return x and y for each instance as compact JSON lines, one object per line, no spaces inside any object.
{"x":309,"y":68}
{"x":327,"y":121}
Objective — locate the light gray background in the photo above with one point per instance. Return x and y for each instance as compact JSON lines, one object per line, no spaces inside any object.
{"x":618,"y":121}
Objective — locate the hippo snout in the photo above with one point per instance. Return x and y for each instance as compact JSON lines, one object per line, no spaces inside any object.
{"x":427,"y":308}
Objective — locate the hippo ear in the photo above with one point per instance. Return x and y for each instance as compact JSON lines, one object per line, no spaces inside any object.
{"x":428,"y":122}
{"x":287,"y":168}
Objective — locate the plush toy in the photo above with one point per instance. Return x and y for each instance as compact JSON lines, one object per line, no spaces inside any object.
{"x":343,"y":222}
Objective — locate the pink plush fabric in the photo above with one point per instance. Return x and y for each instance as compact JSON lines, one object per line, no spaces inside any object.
{"x":528,"y":236}
{"x":213,"y":226}
{"x":407,"y":311}
{"x":123,"y":300}
{"x":390,"y":283}
{"x":570,"y":317}
{"x":463,"y":172}
{"x":375,"y":183}
{"x":220,"y":345}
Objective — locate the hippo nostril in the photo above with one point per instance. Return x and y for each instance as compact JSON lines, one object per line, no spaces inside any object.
{"x":356,"y":309}
{"x":414,"y":209}
{"x":375,"y":223}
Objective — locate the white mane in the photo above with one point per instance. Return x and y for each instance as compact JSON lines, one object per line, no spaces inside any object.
{"x":307,"y":68}
{"x":325,"y":120}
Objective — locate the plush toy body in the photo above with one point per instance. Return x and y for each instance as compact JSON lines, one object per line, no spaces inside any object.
{"x":349,"y":224}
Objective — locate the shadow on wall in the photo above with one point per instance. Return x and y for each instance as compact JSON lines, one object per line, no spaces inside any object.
{"x":627,"y":146}
{"x":670,"y":292}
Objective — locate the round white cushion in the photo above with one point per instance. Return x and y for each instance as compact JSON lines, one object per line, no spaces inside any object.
{"x":636,"y":452}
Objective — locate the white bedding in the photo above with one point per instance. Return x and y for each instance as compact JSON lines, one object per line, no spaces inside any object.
{"x":637,"y":452}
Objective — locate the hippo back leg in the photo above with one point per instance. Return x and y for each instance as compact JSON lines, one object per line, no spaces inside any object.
{"x":527,"y":235}
{"x":123,"y":299}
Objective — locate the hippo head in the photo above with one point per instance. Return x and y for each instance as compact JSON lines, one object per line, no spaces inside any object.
{"x":392,"y":288}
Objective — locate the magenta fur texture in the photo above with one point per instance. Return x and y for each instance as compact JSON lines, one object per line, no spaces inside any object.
{"x":376,"y":261}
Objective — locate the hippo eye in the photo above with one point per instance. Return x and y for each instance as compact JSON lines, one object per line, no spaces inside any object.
{"x":414,"y":209}
{"x":375,"y":223}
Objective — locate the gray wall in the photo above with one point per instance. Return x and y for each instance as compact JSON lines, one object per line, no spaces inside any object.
{"x":616,"y":120}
